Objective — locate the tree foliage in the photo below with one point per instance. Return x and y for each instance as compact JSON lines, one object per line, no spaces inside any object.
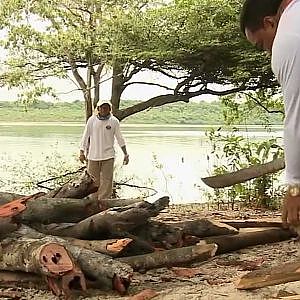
{"x":196,"y":43}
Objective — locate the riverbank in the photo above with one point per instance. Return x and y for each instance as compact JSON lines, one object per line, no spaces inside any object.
{"x":212,"y":280}
{"x":202,"y":113}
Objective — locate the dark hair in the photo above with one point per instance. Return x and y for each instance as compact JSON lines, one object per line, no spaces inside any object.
{"x":254,"y":11}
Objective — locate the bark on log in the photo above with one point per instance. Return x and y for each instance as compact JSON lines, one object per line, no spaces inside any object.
{"x":270,"y":276}
{"x":6,"y":227}
{"x":246,"y":239}
{"x":112,"y":222}
{"x":56,"y":210}
{"x":224,"y":180}
{"x":160,"y":234}
{"x":43,"y":257}
{"x":6,"y":197}
{"x":173,"y":257}
{"x":204,"y":228}
{"x":252,"y":223}
{"x":77,"y":188}
{"x":102,"y":270}
{"x":110,"y":203}
{"x":112,"y":247}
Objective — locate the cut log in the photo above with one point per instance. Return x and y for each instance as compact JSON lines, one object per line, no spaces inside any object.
{"x":252,"y":223}
{"x":43,"y":257}
{"x":110,"y":203}
{"x":56,"y":210}
{"x":112,"y":222}
{"x":242,"y":240}
{"x":104,"y":272}
{"x":270,"y":276}
{"x":77,"y":188}
{"x":169,"y":258}
{"x":228,"y":179}
{"x":6,"y":197}
{"x":112,"y":247}
{"x":6,"y":227}
{"x":204,"y":228}
{"x":160,"y":234}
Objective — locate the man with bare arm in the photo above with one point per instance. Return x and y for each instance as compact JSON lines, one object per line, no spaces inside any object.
{"x":274,"y":26}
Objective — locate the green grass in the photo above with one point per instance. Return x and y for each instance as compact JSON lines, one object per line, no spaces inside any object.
{"x":202,"y":113}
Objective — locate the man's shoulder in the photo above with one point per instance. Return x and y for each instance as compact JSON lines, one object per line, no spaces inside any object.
{"x":114,"y":119}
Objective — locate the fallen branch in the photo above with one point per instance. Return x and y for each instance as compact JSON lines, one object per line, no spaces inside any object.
{"x":111,"y":222}
{"x":252,"y":224}
{"x":270,"y":276}
{"x":246,"y":239}
{"x":173,"y":257}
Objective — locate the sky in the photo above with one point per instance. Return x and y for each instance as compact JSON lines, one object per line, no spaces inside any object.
{"x":67,"y":91}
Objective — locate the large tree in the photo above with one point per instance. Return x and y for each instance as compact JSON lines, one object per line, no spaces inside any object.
{"x":195,"y":42}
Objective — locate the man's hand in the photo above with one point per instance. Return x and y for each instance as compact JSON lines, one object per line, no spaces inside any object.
{"x":291,"y":211}
{"x":82,"y":157}
{"x":126,"y":159}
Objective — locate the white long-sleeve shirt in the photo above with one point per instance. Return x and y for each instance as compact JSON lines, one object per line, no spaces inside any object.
{"x":286,"y":67}
{"x":99,"y":136}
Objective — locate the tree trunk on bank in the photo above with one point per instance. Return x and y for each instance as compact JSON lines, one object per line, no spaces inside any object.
{"x":242,"y":240}
{"x":112,"y":222}
{"x":173,"y":257}
{"x":104,"y":272}
{"x":7,"y":197}
{"x":204,"y":228}
{"x":77,"y":188}
{"x":56,"y":210}
{"x":252,"y":224}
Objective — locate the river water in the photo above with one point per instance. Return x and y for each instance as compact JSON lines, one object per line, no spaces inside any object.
{"x":171,"y":159}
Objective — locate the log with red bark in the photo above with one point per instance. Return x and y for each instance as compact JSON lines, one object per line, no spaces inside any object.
{"x":242,"y":240}
{"x":112,"y":222}
{"x":173,"y":257}
{"x":6,"y":197}
{"x":270,"y":276}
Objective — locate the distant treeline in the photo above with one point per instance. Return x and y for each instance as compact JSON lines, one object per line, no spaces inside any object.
{"x":201,"y":113}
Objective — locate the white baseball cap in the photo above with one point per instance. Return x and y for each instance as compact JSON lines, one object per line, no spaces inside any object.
{"x":101,"y":102}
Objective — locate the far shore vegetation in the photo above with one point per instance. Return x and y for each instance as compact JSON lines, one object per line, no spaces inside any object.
{"x":198,"y":113}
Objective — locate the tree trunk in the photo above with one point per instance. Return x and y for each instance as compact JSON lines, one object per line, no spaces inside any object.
{"x":6,"y":197}
{"x":112,"y":222}
{"x":117,"y":85}
{"x":56,"y":210}
{"x":173,"y":257}
{"x":77,"y":188}
{"x":112,"y":247}
{"x":252,"y":223}
{"x":103,"y":271}
{"x":204,"y":228}
{"x":270,"y":276}
{"x":246,"y":239}
{"x":220,"y":181}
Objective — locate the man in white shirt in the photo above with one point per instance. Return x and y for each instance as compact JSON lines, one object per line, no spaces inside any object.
{"x":274,"y":26}
{"x":97,"y":147}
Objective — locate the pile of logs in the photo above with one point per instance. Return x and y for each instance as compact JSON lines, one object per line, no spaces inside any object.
{"x":68,"y":241}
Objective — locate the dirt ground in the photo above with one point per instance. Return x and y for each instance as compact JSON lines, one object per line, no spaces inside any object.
{"x":211,"y":280}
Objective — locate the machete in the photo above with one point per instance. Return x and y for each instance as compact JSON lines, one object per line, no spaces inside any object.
{"x":228,"y":179}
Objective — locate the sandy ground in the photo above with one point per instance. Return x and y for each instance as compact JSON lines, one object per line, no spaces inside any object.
{"x":214,"y":279}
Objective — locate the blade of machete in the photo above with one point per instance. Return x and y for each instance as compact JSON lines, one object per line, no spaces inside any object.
{"x":228,"y":179}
